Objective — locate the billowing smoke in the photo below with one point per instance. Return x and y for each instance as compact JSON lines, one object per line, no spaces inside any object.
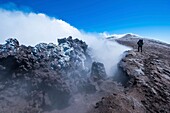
{"x":105,"y":51}
{"x":32,"y":28}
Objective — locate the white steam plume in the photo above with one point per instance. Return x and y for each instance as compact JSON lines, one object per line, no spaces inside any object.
{"x":32,"y":28}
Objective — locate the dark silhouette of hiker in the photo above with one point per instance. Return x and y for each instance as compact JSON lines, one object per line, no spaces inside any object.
{"x":140,"y":44}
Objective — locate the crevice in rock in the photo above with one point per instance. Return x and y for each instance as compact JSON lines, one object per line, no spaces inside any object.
{"x":121,"y":77}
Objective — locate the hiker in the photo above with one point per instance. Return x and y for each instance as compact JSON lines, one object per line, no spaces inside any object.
{"x":140,"y":44}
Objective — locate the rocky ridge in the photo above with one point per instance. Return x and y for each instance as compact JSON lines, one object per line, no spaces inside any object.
{"x":148,"y":89}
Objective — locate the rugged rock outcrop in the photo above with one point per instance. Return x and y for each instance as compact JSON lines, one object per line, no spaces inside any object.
{"x":44,"y":77}
{"x":98,"y":71}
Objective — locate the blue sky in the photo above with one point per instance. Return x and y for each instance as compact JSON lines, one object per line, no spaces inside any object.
{"x":149,"y":18}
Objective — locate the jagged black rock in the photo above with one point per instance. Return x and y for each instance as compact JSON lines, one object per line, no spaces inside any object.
{"x":47,"y":75}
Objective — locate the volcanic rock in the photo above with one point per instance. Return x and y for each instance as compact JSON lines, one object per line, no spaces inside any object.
{"x":148,"y":89}
{"x":44,"y":77}
{"x":98,"y":71}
